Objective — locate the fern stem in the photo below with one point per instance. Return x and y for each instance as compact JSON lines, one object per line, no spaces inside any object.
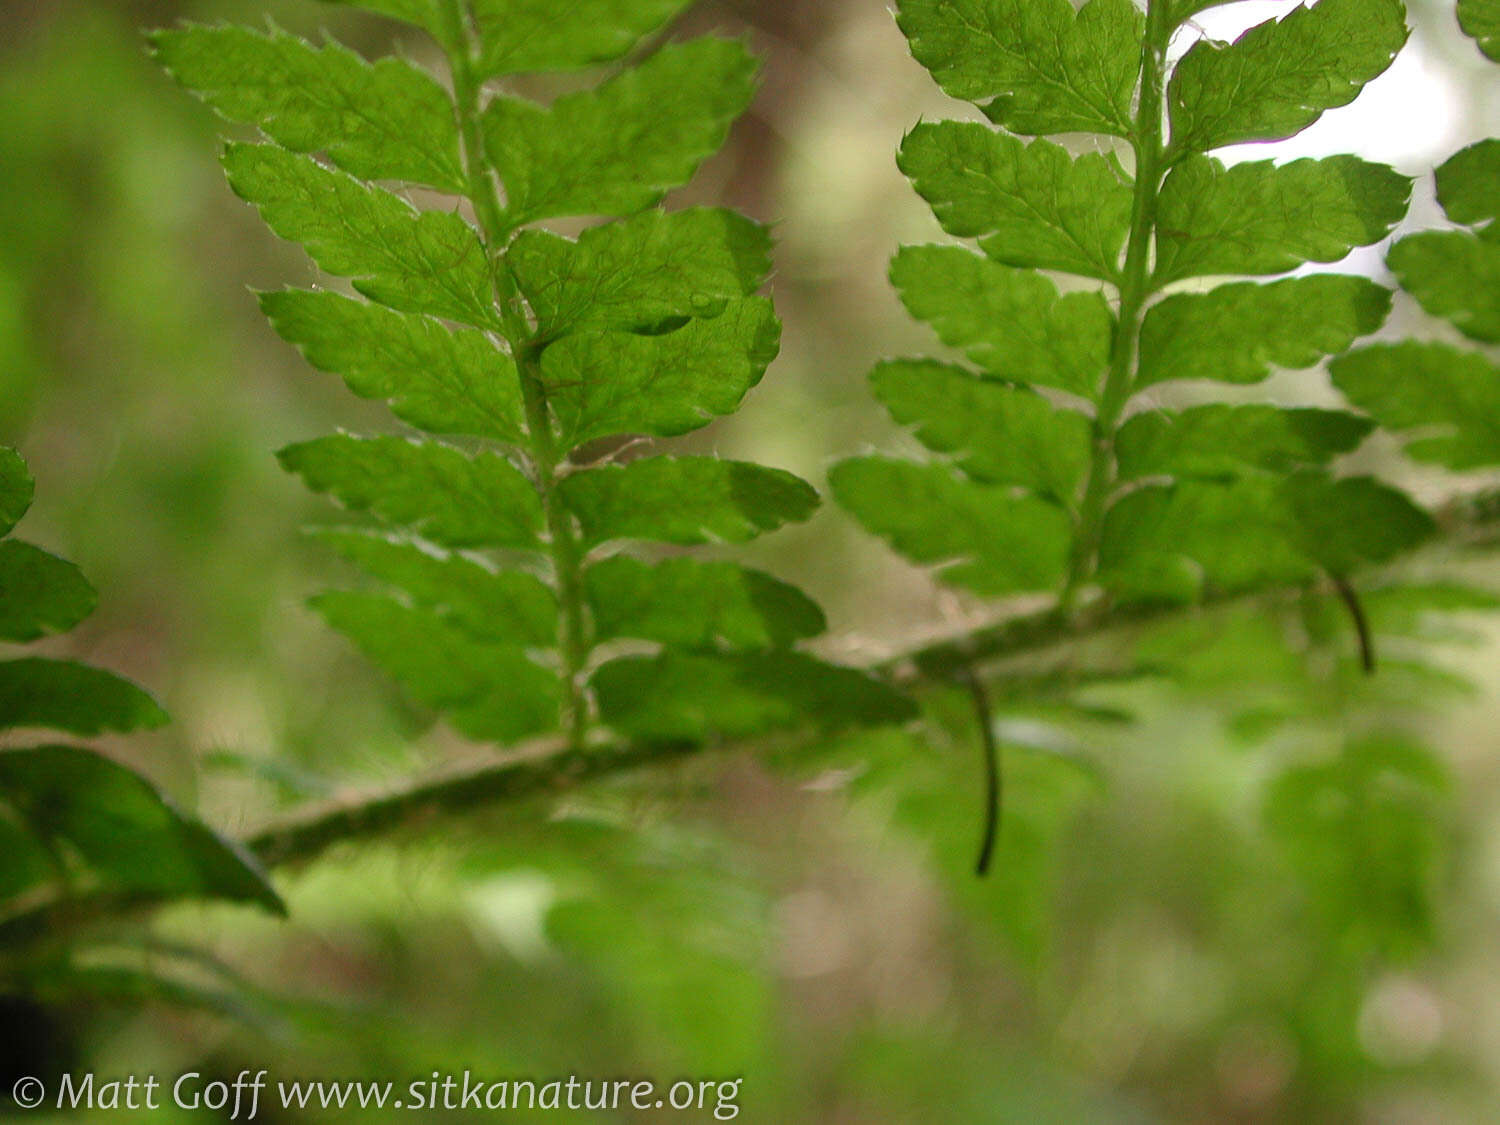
{"x":1136,"y":288}
{"x":563,"y":544}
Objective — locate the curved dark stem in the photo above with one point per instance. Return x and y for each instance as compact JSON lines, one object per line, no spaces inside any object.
{"x":1356,"y":610}
{"x":994,"y":781}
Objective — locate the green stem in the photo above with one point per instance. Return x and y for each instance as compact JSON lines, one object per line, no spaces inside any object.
{"x":566,"y":550}
{"x":1136,"y":289}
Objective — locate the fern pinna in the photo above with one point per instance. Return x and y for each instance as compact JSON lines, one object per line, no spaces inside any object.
{"x":74,"y":824}
{"x":1060,"y":470}
{"x":515,"y":610}
{"x":1445,"y":400}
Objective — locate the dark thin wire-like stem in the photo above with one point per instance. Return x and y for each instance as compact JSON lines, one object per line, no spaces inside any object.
{"x":994,"y":777}
{"x":1350,"y":597}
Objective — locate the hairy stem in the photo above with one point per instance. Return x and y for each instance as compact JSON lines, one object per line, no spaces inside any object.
{"x":1135,"y":290}
{"x":566,"y":551}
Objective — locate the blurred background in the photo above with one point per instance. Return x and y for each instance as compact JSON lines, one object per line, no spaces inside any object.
{"x":1183,"y":924}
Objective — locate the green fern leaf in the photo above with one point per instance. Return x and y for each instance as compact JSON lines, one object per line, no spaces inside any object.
{"x":1480,"y":19}
{"x":999,"y":433}
{"x":1278,"y":78}
{"x":517,"y":36}
{"x":601,"y":383}
{"x":1236,"y":333}
{"x":1449,"y":397}
{"x":488,"y":691}
{"x":390,"y":121}
{"x":71,"y":819}
{"x":685,"y":500}
{"x":1011,"y":322}
{"x":39,"y":593}
{"x":428,"y":262}
{"x":449,"y":497}
{"x":1034,"y":66}
{"x":441,"y":381}
{"x":691,"y":604}
{"x":985,"y":537}
{"x":619,"y":148}
{"x":123,"y":833}
{"x":1218,"y":440}
{"x":1261,"y":218}
{"x":685,"y":696}
{"x":1028,"y":204}
{"x":641,"y":273}
{"x":490,"y":603}
{"x":504,"y":606}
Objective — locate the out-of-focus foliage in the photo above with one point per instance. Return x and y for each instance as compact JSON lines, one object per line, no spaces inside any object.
{"x":1168,"y":933}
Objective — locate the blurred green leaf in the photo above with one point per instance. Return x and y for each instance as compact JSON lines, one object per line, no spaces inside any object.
{"x":488,"y":691}
{"x":508,"y":607}
{"x":39,"y":593}
{"x":1449,"y":398}
{"x":987,"y":538}
{"x":681,"y":696}
{"x":122,"y":830}
{"x":64,"y":695}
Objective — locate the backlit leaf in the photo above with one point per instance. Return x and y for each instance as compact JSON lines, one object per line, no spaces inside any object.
{"x":508,"y":607}
{"x":524,"y":35}
{"x":998,"y":433}
{"x":642,"y":272}
{"x":1277,"y":78}
{"x":1454,"y":274}
{"x":16,"y":488}
{"x":1222,"y":440}
{"x":1481,"y":20}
